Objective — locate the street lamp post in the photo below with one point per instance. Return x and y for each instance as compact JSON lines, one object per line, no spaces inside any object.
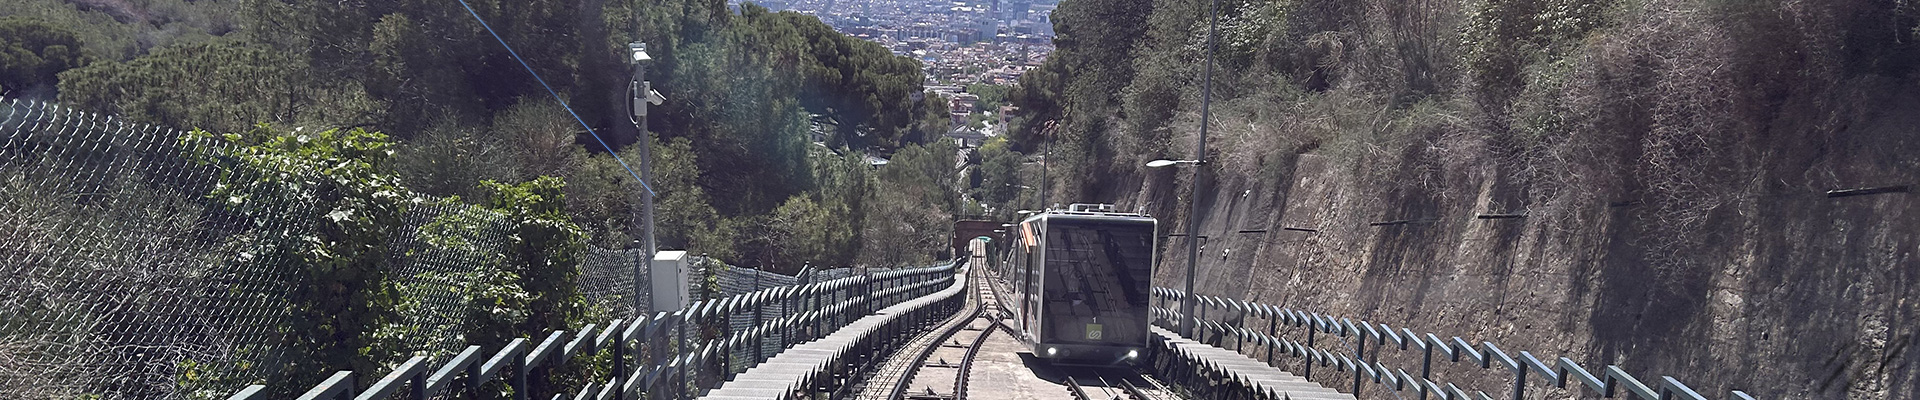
{"x":1199,"y":157}
{"x":641,"y":93}
{"x":1193,"y":233}
{"x":642,"y":96}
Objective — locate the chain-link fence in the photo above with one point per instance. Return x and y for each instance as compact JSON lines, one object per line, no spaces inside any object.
{"x":121,"y":278}
{"x":607,"y":280}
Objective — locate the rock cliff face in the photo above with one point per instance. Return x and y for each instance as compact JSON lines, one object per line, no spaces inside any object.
{"x":1666,"y":164}
{"x":1765,"y":284}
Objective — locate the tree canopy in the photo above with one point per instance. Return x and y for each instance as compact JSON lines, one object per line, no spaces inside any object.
{"x":746,"y":90}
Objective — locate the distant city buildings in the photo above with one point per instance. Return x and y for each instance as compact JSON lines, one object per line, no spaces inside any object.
{"x":959,"y":43}
{"x":968,"y":41}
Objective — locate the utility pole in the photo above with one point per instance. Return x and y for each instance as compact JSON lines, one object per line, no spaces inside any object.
{"x":642,"y":95}
{"x":1051,"y":129}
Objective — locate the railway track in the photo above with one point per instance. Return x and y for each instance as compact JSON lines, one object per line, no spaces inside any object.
{"x":940,"y":364}
{"x":1118,"y":383}
{"x":941,"y":370}
{"x":1048,"y":381}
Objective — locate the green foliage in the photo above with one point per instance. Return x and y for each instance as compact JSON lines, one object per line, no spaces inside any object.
{"x":205,"y":381}
{"x":999,"y":172}
{"x":1041,"y":97}
{"x":805,"y":230}
{"x":977,"y":121}
{"x":451,"y":160}
{"x":1096,"y":40}
{"x":235,"y":85}
{"x":752,"y":152}
{"x":931,"y":120}
{"x":117,"y":30}
{"x":1502,"y":36}
{"x":327,"y":203}
{"x":544,"y":250}
{"x":927,"y":174}
{"x":844,"y":184}
{"x":497,"y":306}
{"x":538,"y":136}
{"x":910,"y":213}
{"x":686,"y":219}
{"x":991,"y":96}
{"x":604,"y":200}
{"x":742,"y":88}
{"x":32,"y":52}
{"x":860,"y":84}
{"x":344,"y":211}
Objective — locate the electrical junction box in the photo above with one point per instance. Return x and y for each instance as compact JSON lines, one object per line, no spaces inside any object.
{"x":668,"y":275}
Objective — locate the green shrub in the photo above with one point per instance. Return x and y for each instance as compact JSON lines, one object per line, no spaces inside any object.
{"x":327,"y":213}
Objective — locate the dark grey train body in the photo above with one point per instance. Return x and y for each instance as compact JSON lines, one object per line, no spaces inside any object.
{"x":1080,"y":284}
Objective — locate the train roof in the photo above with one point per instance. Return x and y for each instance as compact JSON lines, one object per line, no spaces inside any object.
{"x":1091,"y":212}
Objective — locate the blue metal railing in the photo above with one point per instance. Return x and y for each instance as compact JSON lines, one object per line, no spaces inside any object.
{"x":1557,"y":372}
{"x":818,"y":308}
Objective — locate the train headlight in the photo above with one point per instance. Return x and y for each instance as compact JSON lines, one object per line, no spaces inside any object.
{"x":1133,"y":353}
{"x":1052,"y":351}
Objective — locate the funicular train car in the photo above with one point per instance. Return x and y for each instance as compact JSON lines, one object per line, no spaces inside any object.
{"x":1080,"y":281}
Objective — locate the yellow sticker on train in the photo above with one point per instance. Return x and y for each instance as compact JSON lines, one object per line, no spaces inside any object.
{"x":1093,"y":332}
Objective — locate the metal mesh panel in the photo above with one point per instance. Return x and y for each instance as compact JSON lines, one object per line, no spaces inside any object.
{"x":119,"y":276}
{"x":607,"y":279}
{"x":114,"y":270}
{"x":431,"y":275}
{"x":737,"y":281}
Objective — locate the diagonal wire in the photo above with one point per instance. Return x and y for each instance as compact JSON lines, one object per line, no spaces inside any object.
{"x":556,"y":97}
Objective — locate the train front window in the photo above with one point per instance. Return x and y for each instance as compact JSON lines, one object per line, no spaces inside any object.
{"x":1098,"y":277}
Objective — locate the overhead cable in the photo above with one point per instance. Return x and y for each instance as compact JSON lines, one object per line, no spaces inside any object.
{"x":556,"y":97}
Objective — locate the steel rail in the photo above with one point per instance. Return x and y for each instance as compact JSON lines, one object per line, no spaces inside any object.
{"x":1078,"y":392}
{"x":966,"y":363}
{"x":980,"y":306}
{"x":1125,"y":378}
{"x":1134,"y":391}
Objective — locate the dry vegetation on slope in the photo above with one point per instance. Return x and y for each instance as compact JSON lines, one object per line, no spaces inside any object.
{"x":1671,"y":157}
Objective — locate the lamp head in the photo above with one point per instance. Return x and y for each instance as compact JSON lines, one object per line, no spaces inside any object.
{"x":639,"y":51}
{"x":1169,"y":163}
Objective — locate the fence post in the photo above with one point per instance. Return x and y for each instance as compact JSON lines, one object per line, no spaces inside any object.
{"x":759,"y":343}
{"x":1272,"y":332}
{"x":418,"y":385}
{"x":1519,"y":380}
{"x":1239,"y":342}
{"x":786,"y":310}
{"x":619,"y":354}
{"x":519,"y":381}
{"x":813,"y":304}
{"x":680,"y":360}
{"x":1426,"y":367}
{"x":1359,"y":357}
{"x":1200,"y":316}
{"x":473,"y":378}
{"x":1312,"y":329}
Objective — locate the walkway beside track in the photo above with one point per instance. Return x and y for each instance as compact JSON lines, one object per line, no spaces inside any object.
{"x":1238,"y":374}
{"x":819,"y":365}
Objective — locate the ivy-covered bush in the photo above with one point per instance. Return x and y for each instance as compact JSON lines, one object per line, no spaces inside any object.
{"x":543,"y":257}
{"x":533,"y":291}
{"x":324,"y":211}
